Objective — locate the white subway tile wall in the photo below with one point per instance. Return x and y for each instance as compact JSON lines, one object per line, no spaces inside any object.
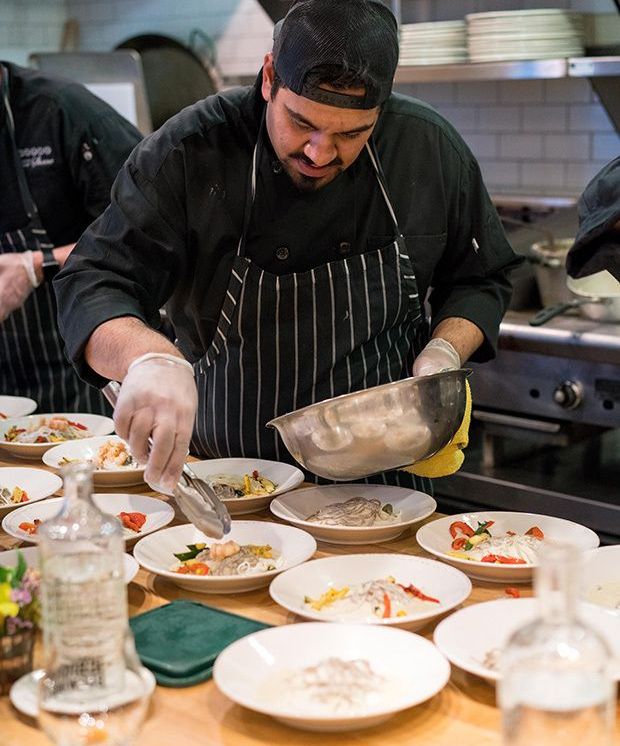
{"x":539,"y":136}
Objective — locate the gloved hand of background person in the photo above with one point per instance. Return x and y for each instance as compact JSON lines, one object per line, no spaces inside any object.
{"x":15,"y":282}
{"x":158,"y":398}
{"x":438,"y":355}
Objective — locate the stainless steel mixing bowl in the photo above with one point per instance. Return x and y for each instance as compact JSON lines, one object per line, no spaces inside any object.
{"x":377,"y":429}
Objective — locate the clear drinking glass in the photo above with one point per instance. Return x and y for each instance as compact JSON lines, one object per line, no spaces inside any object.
{"x":94,"y":690}
{"x":556,"y":685}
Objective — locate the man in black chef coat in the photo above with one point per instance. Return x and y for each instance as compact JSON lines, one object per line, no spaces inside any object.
{"x":293,"y":229}
{"x":60,"y":150}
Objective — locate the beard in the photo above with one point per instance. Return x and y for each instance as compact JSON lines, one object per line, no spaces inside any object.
{"x":307,"y":183}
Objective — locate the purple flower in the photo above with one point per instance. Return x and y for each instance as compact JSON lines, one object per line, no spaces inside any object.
{"x":21,"y":596}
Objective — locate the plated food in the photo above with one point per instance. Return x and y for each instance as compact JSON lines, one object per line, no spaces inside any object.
{"x":601,"y":578}
{"x":506,"y":541}
{"x":473,"y":638}
{"x":32,"y":436}
{"x":247,"y":558}
{"x":23,"y":523}
{"x":354,"y":513}
{"x":31,"y":555}
{"x":114,"y":466}
{"x":15,"y":406}
{"x":385,"y":589}
{"x":323,"y":677}
{"x":21,"y":485}
{"x":247,"y":485}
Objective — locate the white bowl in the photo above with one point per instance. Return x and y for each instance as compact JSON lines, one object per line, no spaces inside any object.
{"x":295,"y":507}
{"x":38,"y":483}
{"x":451,"y":587}
{"x":602,"y":566}
{"x":156,"y":553}
{"x":435,"y":538}
{"x":248,"y":670}
{"x":16,"y":406}
{"x":158,"y":514}
{"x":466,"y":636}
{"x":31,"y":555}
{"x":285,"y":476}
{"x":88,"y":449}
{"x":96,"y":424}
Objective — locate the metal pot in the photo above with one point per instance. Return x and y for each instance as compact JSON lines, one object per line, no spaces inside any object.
{"x":549,"y":261}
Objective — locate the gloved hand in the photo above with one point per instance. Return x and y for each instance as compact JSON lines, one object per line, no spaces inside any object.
{"x":438,"y":355}
{"x":17,"y":281}
{"x":158,"y":398}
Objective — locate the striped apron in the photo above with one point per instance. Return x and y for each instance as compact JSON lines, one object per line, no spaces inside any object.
{"x":285,"y":341}
{"x":32,"y":362}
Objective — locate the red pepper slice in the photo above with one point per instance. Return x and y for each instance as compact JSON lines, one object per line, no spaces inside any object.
{"x":418,"y":593}
{"x":462,"y":527}
{"x":489,"y":558}
{"x":459,"y":543}
{"x":535,"y":532}
{"x":387,"y":606}
{"x":503,"y":560}
{"x":132,"y":521}
{"x":78,"y":425}
{"x":513,"y":592}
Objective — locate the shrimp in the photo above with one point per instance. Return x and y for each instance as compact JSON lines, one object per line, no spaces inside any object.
{"x":221,"y":551}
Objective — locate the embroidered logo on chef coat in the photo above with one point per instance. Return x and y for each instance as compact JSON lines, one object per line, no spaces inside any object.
{"x":36,"y":156}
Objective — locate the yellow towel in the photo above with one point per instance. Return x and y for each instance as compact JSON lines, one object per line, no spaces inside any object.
{"x":450,"y":458}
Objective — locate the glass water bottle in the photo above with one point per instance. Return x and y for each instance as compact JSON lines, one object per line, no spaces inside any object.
{"x":92,"y":690}
{"x":556,"y":685}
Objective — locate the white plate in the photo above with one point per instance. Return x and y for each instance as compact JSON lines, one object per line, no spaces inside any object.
{"x":295,"y":507}
{"x":38,"y":483}
{"x":88,"y":449}
{"x":158,"y":514}
{"x":95,"y":423}
{"x":451,"y":587}
{"x":466,"y":636}
{"x":435,"y":538}
{"x":156,"y":554}
{"x":245,"y":670}
{"x":31,"y":555}
{"x":601,"y":565}
{"x":24,"y":692}
{"x":285,"y":476}
{"x":16,"y":406}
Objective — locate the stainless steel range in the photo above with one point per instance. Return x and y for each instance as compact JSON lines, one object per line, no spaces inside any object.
{"x":545,"y":431}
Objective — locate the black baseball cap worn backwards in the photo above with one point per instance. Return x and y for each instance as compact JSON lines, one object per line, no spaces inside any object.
{"x":348,"y":36}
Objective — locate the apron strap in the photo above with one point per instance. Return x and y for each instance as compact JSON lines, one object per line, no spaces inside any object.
{"x":250,"y":192}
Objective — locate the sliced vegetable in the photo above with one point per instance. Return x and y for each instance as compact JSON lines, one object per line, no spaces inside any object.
{"x":387,"y":606}
{"x":535,"y":532}
{"x":30,"y":528}
{"x":461,"y":526}
{"x":418,"y":593}
{"x":512,"y":592}
{"x":193,"y":568}
{"x":194,"y":551}
{"x":132,"y":521}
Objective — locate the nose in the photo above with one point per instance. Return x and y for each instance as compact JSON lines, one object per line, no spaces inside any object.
{"x":320,"y":149}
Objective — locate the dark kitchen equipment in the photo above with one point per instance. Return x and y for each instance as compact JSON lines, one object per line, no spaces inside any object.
{"x":174,"y":75}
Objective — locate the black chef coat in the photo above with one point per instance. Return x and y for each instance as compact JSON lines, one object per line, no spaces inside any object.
{"x":174,"y":222}
{"x":71,"y":144}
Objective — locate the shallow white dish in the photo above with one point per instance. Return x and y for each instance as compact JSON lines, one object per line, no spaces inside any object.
{"x":285,"y":476}
{"x":15,"y":406}
{"x":295,"y":507}
{"x":602,"y":565}
{"x":88,"y":449}
{"x":246,"y":669}
{"x":38,"y":483}
{"x":435,"y":538}
{"x":158,"y":514}
{"x":31,"y":555}
{"x":24,"y":692}
{"x":156,"y":554}
{"x":96,"y":424}
{"x":466,"y":636}
{"x":451,"y":587}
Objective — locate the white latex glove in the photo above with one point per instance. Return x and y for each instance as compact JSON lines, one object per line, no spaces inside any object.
{"x":158,"y":398}
{"x":15,"y":282}
{"x":438,"y":355}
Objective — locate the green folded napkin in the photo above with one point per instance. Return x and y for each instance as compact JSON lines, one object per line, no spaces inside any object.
{"x":180,"y":641}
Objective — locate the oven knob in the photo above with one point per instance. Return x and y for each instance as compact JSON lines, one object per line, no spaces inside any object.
{"x":568,"y":395}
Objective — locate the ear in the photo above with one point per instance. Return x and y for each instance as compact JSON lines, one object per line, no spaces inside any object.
{"x":268,"y":76}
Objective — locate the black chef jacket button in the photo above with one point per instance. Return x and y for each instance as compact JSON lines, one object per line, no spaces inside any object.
{"x":344,"y":247}
{"x":282,"y":253}
{"x":277,"y":167}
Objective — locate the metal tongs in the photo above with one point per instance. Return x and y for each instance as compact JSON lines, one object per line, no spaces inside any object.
{"x":195,"y":497}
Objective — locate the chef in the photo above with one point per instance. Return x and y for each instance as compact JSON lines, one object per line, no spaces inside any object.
{"x":293,"y":229}
{"x":60,"y":149}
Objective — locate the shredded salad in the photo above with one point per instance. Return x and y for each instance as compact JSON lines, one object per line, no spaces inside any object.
{"x":13,"y":496}
{"x":47,"y":430}
{"x":357,"y":511}
{"x":480,"y":545}
{"x":382,"y":599}
{"x":228,"y":558}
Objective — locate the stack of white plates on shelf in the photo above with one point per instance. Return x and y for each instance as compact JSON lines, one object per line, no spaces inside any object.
{"x":437,"y":43}
{"x":524,"y":35}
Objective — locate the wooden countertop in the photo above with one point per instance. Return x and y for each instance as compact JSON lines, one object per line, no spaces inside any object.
{"x":463,"y":713}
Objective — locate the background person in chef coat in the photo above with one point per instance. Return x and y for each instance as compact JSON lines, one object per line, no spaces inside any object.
{"x":60,"y":150}
{"x":292,"y":229}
